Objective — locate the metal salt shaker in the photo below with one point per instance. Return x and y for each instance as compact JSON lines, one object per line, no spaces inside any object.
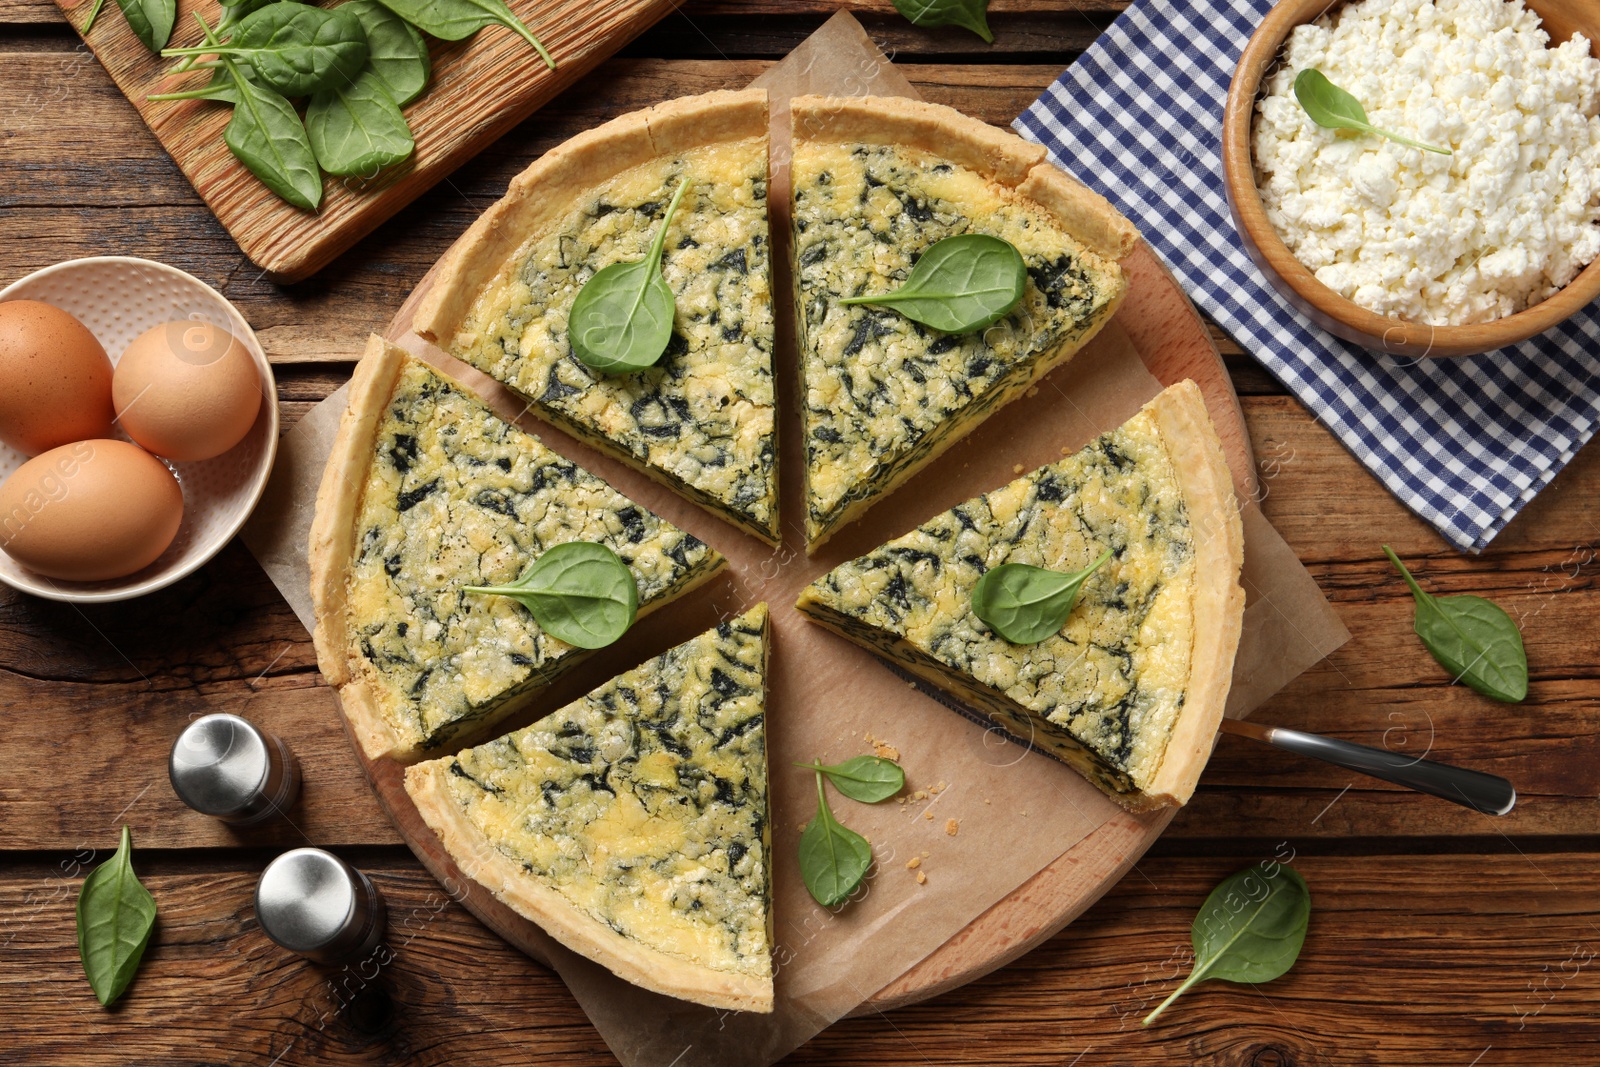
{"x":221,"y":765}
{"x":313,"y":903}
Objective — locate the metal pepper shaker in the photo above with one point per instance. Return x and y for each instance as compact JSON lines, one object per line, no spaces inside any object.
{"x":313,"y":903}
{"x":221,"y":765}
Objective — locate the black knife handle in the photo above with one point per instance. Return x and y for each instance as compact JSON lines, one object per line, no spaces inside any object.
{"x":1487,"y":793}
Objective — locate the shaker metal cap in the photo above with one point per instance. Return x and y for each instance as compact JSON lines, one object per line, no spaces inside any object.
{"x":219,"y":765}
{"x":311,"y":902}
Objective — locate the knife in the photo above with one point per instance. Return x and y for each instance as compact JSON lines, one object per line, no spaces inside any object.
{"x":1487,"y":793}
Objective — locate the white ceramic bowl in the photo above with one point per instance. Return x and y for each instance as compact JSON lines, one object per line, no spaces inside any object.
{"x":118,"y":298}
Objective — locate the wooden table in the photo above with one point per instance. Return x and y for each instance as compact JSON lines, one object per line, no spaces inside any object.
{"x":1438,"y":936}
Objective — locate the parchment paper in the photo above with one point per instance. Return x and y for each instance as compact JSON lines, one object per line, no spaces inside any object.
{"x":1013,"y":812}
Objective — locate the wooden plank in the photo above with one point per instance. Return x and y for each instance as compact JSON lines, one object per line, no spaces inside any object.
{"x":1406,"y":962}
{"x":479,"y":89}
{"x":230,"y":626}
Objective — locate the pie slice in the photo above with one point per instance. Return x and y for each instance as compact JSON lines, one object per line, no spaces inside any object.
{"x":632,"y":824}
{"x":427,"y":491}
{"x":876,"y":181}
{"x":1131,"y":690}
{"x":700,"y":420}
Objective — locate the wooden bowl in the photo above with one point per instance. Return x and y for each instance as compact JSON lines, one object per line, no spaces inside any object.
{"x":1329,"y":310}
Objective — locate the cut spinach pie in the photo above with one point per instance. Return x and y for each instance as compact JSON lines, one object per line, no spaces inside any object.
{"x":427,"y":491}
{"x":701,"y":419}
{"x":632,"y":824}
{"x":1131,"y":690}
{"x":876,"y":181}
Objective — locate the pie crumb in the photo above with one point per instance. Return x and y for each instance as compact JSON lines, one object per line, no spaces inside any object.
{"x":951,"y":826}
{"x":1033,"y":392}
{"x":1018,"y":468}
{"x":913,"y":863}
{"x":922,"y":879}
{"x":928,"y":814}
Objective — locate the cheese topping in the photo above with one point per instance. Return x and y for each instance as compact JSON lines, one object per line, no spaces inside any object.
{"x":1104,"y":692}
{"x":455,"y":496}
{"x":884,"y":395}
{"x":1491,"y":230}
{"x":644,"y":804}
{"x":701,"y":418}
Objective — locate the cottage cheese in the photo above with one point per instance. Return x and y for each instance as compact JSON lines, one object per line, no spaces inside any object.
{"x":1497,"y":227}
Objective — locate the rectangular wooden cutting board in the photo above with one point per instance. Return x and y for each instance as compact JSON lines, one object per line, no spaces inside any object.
{"x":481,"y":87}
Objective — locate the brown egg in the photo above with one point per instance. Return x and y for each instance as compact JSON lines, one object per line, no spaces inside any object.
{"x":187,"y":390}
{"x":55,"y":379}
{"x":89,"y":511}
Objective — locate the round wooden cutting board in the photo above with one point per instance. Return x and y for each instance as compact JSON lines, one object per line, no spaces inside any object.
{"x":1174,"y":344}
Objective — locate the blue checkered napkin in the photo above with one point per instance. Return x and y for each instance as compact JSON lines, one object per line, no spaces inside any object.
{"x":1463,"y":443}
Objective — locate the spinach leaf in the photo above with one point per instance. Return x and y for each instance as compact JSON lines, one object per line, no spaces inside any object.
{"x":295,"y":49}
{"x":151,"y":20}
{"x":232,"y":12}
{"x":1025,"y":604}
{"x":578,"y":592}
{"x":94,"y":13}
{"x":219,"y":88}
{"x":968,"y":14}
{"x":1250,"y":929}
{"x":833,"y":858}
{"x":358,"y":129}
{"x":961,"y":284}
{"x":116,"y":915}
{"x":1472,"y":638}
{"x":1332,"y":108}
{"x":452,"y":20}
{"x":622,"y":318}
{"x":868,"y":779}
{"x":397,"y":54}
{"x":266,"y":135}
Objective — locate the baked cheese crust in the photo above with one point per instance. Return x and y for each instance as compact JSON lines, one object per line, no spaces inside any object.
{"x":632,"y":824}
{"x":701,"y":419}
{"x":427,"y":491}
{"x":1131,"y":690}
{"x":876,"y":181}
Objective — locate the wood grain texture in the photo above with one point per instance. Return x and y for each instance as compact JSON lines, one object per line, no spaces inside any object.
{"x":1438,"y":937}
{"x":480,"y":88}
{"x":1502,"y":962}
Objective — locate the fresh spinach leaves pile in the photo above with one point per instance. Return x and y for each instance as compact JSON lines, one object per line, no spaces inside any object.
{"x":355,"y":66}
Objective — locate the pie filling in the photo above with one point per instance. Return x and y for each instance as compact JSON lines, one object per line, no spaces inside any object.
{"x":644,"y":803}
{"x":455,"y":496}
{"x":884,"y":395}
{"x":702,"y":418}
{"x":1104,"y":693}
